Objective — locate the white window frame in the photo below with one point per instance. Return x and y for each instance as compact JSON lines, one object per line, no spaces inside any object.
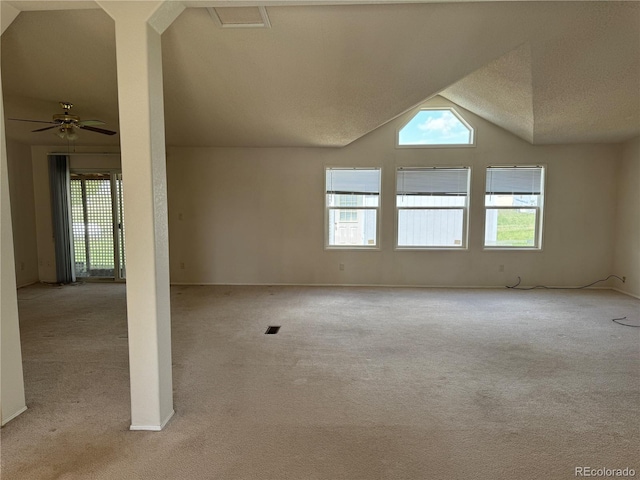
{"x":117,"y":204}
{"x":537,"y":247}
{"x":377,"y":210}
{"x":471,"y":144}
{"x":465,"y":211}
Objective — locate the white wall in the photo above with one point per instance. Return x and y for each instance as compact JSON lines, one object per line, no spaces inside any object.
{"x":627,"y":251}
{"x":255,"y":215}
{"x":22,"y":213}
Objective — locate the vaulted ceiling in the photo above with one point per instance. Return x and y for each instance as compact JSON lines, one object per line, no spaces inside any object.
{"x":325,"y":75}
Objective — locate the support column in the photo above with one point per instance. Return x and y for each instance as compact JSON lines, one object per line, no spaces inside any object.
{"x":142,"y":143}
{"x":12,"y":400}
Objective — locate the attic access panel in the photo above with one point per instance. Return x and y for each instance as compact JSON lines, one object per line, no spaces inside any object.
{"x":240,"y":17}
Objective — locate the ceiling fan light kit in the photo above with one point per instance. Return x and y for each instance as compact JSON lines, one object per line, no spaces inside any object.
{"x":67,"y":124}
{"x":67,"y":133}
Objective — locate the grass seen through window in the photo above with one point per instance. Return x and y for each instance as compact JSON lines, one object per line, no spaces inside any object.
{"x":516,"y":227}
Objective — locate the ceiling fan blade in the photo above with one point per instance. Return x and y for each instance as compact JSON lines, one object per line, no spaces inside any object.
{"x":90,"y":123}
{"x":43,"y":129}
{"x":33,"y":121}
{"x":97,"y":130}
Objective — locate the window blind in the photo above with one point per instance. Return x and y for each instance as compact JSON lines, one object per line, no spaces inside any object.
{"x":432,"y":181}
{"x":353,"y":181}
{"x":514,"y":180}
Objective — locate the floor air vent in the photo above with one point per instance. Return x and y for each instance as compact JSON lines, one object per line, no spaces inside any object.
{"x":272,"y":330}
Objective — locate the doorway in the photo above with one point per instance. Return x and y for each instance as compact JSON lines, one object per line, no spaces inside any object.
{"x":97,"y":217}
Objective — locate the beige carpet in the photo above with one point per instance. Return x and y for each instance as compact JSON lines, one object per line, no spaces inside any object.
{"x":360,"y":383}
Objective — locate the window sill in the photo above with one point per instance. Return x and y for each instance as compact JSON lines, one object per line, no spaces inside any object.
{"x":430,"y":249}
{"x":351,"y":247}
{"x":456,"y":145}
{"x":512,"y":249}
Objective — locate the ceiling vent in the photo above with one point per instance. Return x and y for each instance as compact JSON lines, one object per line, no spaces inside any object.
{"x":240,"y":17}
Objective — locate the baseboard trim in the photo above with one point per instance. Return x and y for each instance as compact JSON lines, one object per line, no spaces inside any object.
{"x":19,"y":412}
{"x":369,"y":285}
{"x":153,"y":428}
{"x":626,"y":293}
{"x":27,"y":284}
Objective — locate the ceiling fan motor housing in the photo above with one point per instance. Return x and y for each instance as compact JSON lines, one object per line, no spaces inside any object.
{"x":66,"y":118}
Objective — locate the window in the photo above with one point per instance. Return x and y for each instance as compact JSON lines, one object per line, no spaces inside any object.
{"x":98,"y":226}
{"x":436,"y":127}
{"x":513,"y":207}
{"x":432,"y":205}
{"x":352,"y":203}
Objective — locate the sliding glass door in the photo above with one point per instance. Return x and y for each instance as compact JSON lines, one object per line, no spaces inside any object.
{"x":98,"y":225}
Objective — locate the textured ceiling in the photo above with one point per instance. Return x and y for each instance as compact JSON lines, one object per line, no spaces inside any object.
{"x":501,"y":92}
{"x":582,"y":86}
{"x":326,"y":75}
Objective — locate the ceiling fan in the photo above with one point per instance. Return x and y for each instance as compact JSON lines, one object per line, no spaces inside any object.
{"x":67,"y":124}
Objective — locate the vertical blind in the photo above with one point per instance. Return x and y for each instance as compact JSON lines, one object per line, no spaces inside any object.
{"x":61,"y":215}
{"x":514,"y":180}
{"x":353,"y":181}
{"x":432,"y":181}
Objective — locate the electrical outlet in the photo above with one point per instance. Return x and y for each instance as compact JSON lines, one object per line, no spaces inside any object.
{"x":341,"y":266}
{"x":181,"y":265}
